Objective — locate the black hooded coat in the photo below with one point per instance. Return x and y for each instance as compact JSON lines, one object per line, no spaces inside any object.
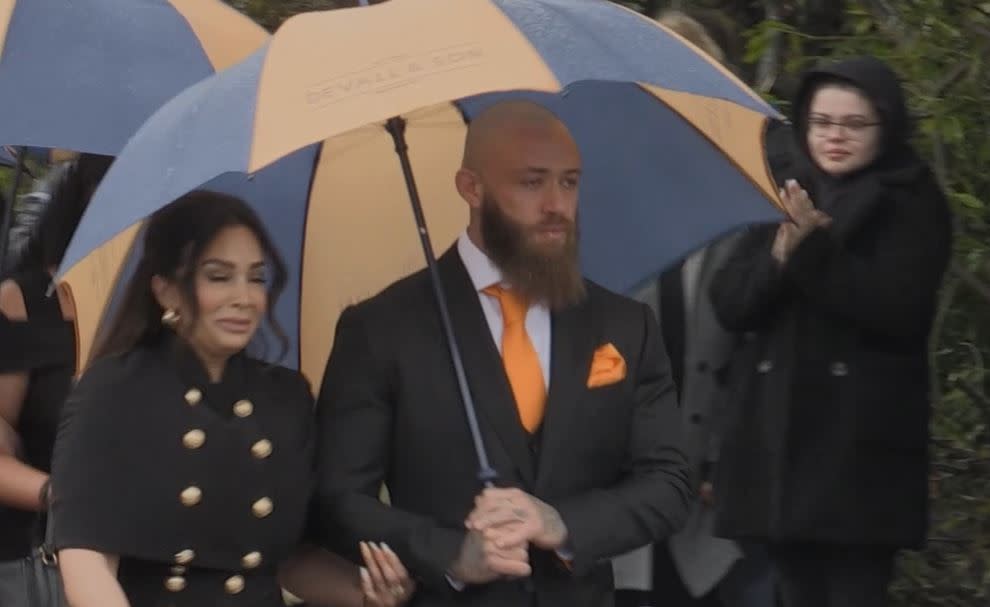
{"x":827,"y":436}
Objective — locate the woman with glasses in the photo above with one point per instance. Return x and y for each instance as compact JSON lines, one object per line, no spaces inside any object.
{"x":825,"y":455}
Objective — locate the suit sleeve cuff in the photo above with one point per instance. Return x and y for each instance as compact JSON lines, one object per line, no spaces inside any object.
{"x":432,"y":554}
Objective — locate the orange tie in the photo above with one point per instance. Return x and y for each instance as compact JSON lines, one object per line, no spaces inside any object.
{"x":522,"y":364}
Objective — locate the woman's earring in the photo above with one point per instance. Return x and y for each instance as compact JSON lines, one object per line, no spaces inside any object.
{"x":170,"y":318}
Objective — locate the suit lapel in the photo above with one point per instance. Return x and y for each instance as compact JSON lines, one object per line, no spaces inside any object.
{"x":575,"y":335}
{"x":483,"y":365}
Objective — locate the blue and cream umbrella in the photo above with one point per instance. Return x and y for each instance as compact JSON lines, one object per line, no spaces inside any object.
{"x":84,"y":75}
{"x":671,"y":143}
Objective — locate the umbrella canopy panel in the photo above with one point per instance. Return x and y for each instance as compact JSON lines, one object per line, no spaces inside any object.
{"x":85,"y":75}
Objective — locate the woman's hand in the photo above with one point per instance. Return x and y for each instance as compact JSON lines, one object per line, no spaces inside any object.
{"x":384,"y":580}
{"x":805,"y":218}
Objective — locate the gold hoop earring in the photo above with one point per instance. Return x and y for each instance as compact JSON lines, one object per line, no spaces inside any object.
{"x":170,"y":318}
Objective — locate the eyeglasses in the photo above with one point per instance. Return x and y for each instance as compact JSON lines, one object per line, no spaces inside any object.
{"x":853,"y":126}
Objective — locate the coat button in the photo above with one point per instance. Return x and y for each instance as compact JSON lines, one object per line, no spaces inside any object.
{"x":176,"y":583}
{"x":262,"y":507}
{"x":839,"y":369}
{"x":243,"y":408}
{"x":194,"y":439}
{"x":194,"y":396}
{"x":261,"y":449}
{"x":191,"y":496}
{"x":251,"y":560}
{"x":184,"y":557}
{"x":702,"y":367}
{"x":696,"y":418}
{"x":764,"y":366}
{"x":234,"y":584}
{"x":178,"y":570}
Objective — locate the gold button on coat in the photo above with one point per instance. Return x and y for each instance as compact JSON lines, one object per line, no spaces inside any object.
{"x":261,"y":449}
{"x":184,"y":557}
{"x":234,"y":584}
{"x":251,"y":560}
{"x":262,"y":507}
{"x":243,"y":408}
{"x":194,"y":439}
{"x":175,"y":583}
{"x":194,"y":396}
{"x":191,"y":496}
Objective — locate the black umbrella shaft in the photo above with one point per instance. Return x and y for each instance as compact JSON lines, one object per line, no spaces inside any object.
{"x":8,"y":209}
{"x":397,"y":128}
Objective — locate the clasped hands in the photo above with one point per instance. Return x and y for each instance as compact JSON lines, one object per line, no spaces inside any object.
{"x":805,"y":218}
{"x":502,"y":526}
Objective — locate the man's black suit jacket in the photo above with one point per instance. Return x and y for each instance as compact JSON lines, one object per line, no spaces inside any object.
{"x":609,"y":459}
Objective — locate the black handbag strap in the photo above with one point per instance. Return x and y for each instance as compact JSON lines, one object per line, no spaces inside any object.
{"x":47,"y":547}
{"x":43,"y":543}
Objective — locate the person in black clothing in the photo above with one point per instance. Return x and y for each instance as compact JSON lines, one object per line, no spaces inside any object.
{"x":825,"y":456}
{"x":37,"y":360}
{"x":183,"y":469}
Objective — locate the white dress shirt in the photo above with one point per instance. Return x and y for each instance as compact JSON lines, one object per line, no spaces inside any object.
{"x":484,"y":274}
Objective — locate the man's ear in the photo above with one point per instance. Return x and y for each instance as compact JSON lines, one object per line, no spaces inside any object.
{"x":469,"y":187}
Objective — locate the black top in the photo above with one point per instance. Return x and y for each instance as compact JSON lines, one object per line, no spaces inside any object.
{"x":202,"y":489}
{"x":44,"y":346}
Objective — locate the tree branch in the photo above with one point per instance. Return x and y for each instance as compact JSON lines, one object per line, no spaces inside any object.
{"x":883,"y":13}
{"x":976,"y":397}
{"x":971,"y":280}
{"x":768,"y":67}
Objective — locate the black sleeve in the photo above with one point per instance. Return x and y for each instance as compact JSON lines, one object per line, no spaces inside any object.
{"x":33,"y":344}
{"x":651,"y":501}
{"x":90,"y":465}
{"x":745,"y":290}
{"x":889,"y":287}
{"x":354,"y":418}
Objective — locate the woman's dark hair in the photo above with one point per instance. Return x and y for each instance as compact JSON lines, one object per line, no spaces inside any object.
{"x":51,"y":235}
{"x":175,"y":239}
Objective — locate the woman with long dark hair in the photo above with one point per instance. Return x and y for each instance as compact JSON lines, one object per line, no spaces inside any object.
{"x":37,"y":360}
{"x":826,"y":452}
{"x":183,"y":469}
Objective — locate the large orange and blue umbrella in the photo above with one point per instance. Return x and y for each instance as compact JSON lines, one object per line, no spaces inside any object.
{"x":85,"y":74}
{"x":671,"y":142}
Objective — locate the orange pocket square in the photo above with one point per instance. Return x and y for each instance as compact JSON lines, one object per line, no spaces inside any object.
{"x":607,"y":367}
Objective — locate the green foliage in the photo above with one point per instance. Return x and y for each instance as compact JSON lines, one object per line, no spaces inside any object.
{"x":271,"y":13}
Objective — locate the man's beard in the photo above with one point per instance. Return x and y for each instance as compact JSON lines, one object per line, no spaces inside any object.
{"x":549,"y":275}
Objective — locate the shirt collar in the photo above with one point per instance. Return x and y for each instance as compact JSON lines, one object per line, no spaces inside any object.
{"x":483,"y":272}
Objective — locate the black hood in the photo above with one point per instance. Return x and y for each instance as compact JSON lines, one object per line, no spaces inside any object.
{"x":881,"y":86}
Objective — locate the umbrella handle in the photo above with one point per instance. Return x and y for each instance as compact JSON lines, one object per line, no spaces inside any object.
{"x":397,"y":128}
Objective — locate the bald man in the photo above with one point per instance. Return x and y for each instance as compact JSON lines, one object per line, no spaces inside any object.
{"x":574,"y":396}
